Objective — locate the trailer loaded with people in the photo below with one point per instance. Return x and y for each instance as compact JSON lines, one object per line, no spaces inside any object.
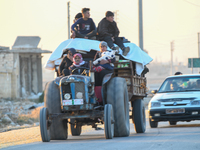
{"x":73,"y":100}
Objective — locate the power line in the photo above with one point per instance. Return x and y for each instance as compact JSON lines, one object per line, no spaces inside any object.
{"x":75,"y":4}
{"x":192,"y":3}
{"x":116,"y":16}
{"x":124,"y":15}
{"x":126,"y":20}
{"x":58,"y":32}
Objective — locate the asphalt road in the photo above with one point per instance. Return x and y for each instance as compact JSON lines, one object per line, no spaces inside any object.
{"x":183,"y":136}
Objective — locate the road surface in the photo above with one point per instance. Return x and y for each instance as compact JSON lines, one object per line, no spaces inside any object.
{"x":183,"y":136}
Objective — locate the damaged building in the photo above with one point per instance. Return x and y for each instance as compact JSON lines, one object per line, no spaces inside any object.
{"x":21,"y":68}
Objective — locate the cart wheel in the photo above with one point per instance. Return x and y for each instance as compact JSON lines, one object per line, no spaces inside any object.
{"x":44,"y":127}
{"x":108,"y":121}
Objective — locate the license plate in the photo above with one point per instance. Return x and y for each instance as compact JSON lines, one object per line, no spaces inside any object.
{"x":175,"y":111}
{"x":73,"y":102}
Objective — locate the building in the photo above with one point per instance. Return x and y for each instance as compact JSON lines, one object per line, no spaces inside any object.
{"x":21,"y":68}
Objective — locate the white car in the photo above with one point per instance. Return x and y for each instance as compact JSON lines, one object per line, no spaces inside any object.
{"x":178,"y":99}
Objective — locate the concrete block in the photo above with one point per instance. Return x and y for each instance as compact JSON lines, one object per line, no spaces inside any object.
{"x":5,"y":84}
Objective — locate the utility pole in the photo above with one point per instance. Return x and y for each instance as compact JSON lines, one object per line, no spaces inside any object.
{"x":68,"y":5}
{"x":140,"y":24}
{"x":172,"y":49}
{"x":199,"y":44}
{"x":198,"y":47}
{"x":116,"y":17}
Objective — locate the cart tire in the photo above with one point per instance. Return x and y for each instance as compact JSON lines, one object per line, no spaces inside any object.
{"x":75,"y":131}
{"x":153,"y":124}
{"x":108,"y":121}
{"x":58,"y":128}
{"x":117,"y":95}
{"x":44,"y":129}
{"x":172,"y":122}
{"x":138,"y":116}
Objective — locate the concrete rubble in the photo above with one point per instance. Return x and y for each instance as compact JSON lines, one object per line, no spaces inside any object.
{"x":18,"y":114}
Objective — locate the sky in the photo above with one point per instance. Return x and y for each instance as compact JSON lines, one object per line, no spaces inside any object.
{"x":164,"y":21}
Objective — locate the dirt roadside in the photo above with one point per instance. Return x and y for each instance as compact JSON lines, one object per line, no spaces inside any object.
{"x":27,"y":135}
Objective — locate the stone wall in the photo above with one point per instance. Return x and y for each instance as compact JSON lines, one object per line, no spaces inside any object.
{"x":20,"y":74}
{"x":6,"y":63}
{"x":6,"y":74}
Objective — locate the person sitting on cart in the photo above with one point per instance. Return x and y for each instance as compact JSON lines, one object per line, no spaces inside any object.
{"x":79,"y":15}
{"x":86,"y":26}
{"x":105,"y":66}
{"x":108,"y":65}
{"x":178,"y":73}
{"x":80,"y":64}
{"x":108,"y":31}
{"x":67,"y":60}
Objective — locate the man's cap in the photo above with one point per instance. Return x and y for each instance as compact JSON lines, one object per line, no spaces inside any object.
{"x":103,"y":43}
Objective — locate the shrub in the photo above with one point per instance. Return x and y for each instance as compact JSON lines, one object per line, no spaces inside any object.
{"x":41,"y":98}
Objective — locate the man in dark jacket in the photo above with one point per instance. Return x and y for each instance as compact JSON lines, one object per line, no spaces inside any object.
{"x":86,"y":26}
{"x":109,"y":32}
{"x":66,"y":62}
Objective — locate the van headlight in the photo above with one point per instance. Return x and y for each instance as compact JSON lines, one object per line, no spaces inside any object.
{"x":155,"y":104}
{"x":67,"y":96}
{"x":195,"y":102}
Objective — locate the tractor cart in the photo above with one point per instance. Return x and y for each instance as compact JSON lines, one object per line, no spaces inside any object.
{"x":73,"y":100}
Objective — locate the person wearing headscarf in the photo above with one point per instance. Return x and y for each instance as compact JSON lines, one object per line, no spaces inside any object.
{"x":78,"y":62}
{"x":66,"y":62}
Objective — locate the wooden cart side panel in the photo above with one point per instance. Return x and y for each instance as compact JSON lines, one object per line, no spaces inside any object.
{"x":136,"y":84}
